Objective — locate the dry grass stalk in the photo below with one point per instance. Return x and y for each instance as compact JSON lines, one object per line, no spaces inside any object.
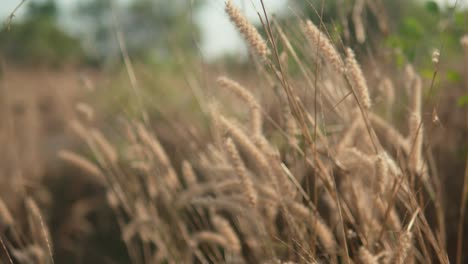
{"x":79,"y":129}
{"x":366,"y":257}
{"x":86,"y":110}
{"x":30,"y":254}
{"x":112,"y":200}
{"x":209,"y":237}
{"x":228,"y":232}
{"x":405,"y":244}
{"x":324,"y":45}
{"x":248,"y":31}
{"x":389,"y":132}
{"x":105,"y":146}
{"x":348,"y":137}
{"x":362,"y":190}
{"x":416,"y":95}
{"x":436,"y":57}
{"x":357,"y":20}
{"x":416,"y":141}
{"x":388,"y":90}
{"x":393,"y":219}
{"x":464,"y":41}
{"x":244,"y":94}
{"x":82,"y":163}
{"x":357,"y":79}
{"x":155,"y":146}
{"x":323,"y":231}
{"x":382,"y":173}
{"x":256,"y":121}
{"x":238,"y":90}
{"x":230,"y":185}
{"x":241,"y":172}
{"x":189,"y":174}
{"x":246,"y":144}
{"x":6,"y":219}
{"x":36,"y":218}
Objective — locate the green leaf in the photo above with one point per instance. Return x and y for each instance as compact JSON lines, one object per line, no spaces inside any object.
{"x":412,"y":28}
{"x":462,"y":100}
{"x":453,"y":76}
{"x":432,"y":7}
{"x":459,"y":19}
{"x":400,"y":60}
{"x":427,"y":73}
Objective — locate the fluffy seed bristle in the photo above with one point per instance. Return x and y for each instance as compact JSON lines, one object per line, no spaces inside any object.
{"x":5,"y":216}
{"x":36,"y":217}
{"x":246,"y":144}
{"x":244,"y":94}
{"x":366,"y":257}
{"x":104,"y":146}
{"x":153,"y":143}
{"x":357,"y":79}
{"x":82,"y":163}
{"x":241,"y":171}
{"x":416,"y":142}
{"x":435,"y":56}
{"x":464,"y":41}
{"x":248,"y":31}
{"x":323,"y":231}
{"x":416,"y":95}
{"x":228,"y":232}
{"x":189,"y":175}
{"x":357,"y":20}
{"x":86,"y":110}
{"x":209,"y":237}
{"x":405,"y":243}
{"x":323,"y":43}
{"x":388,"y":90}
{"x":382,"y":173}
{"x":239,"y":90}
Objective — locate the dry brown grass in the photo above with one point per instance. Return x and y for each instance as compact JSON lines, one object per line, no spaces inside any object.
{"x":349,"y":200}
{"x":325,"y":179}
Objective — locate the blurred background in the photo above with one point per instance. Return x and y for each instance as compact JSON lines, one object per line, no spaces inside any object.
{"x":58,"y":56}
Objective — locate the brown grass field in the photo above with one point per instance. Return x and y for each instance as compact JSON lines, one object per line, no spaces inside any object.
{"x":311,"y":153}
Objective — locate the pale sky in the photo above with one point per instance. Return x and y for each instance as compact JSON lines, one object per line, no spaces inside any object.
{"x":218,"y":35}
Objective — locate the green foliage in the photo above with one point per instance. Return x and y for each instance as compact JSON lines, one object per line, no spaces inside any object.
{"x":424,"y":26}
{"x":415,"y":27}
{"x":453,"y":76}
{"x":432,"y":7}
{"x":462,"y":100}
{"x":150,"y":28}
{"x":47,"y":10}
{"x":38,"y":39}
